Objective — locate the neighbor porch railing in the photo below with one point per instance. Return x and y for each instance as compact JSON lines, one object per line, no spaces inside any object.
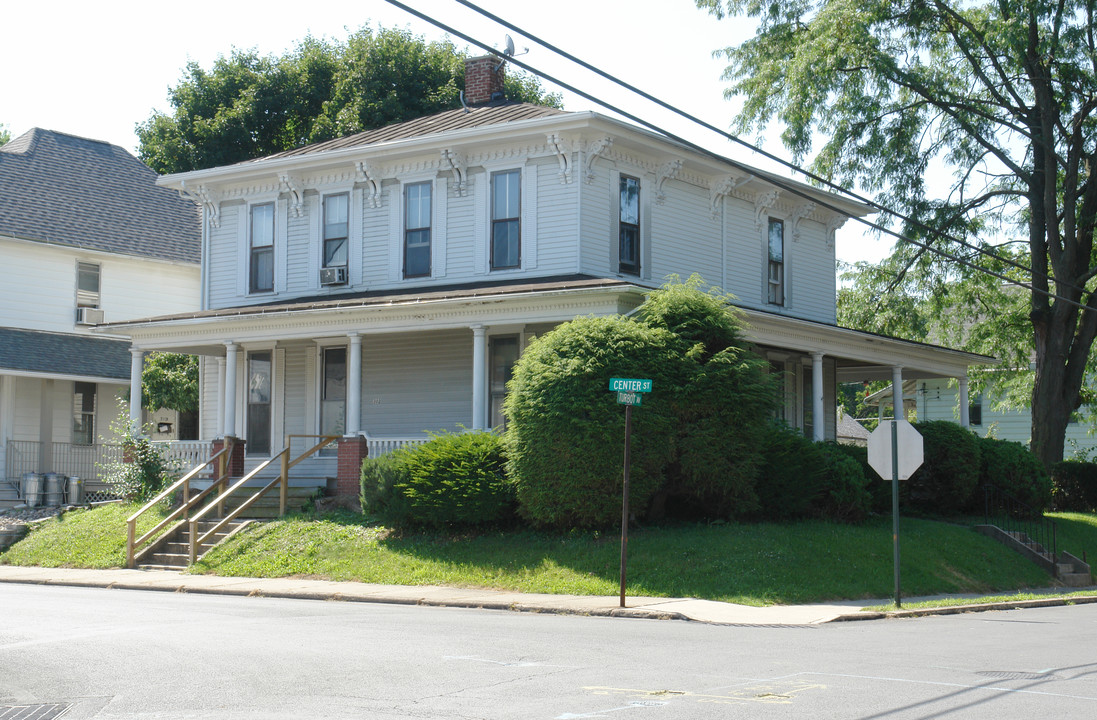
{"x":83,"y":461}
{"x":184,"y":453}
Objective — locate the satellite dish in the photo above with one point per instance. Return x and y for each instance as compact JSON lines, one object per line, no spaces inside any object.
{"x":509,"y":50}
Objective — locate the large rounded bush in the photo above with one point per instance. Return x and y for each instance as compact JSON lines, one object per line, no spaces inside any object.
{"x":1011,"y":467}
{"x":565,"y":430}
{"x":949,"y":474}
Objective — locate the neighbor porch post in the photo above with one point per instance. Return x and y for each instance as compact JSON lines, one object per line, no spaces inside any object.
{"x":137,"y":366}
{"x":228,"y":400}
{"x":479,"y":377}
{"x":897,"y":393}
{"x":965,"y":420}
{"x":354,"y":385}
{"x":818,"y":421}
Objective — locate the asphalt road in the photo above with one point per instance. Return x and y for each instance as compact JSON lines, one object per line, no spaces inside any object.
{"x":97,"y":653}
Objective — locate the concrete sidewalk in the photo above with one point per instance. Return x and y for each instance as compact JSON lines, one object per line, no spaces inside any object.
{"x":707,"y":611}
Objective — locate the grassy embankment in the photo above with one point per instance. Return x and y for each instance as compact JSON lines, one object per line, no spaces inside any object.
{"x":755,"y":564}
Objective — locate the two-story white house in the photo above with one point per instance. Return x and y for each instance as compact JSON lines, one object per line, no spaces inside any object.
{"x":381,"y":285}
{"x":86,"y":237}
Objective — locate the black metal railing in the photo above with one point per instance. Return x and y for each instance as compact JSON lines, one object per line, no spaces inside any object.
{"x":1016,"y":517}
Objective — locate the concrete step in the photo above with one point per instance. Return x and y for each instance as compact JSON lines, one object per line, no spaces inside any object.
{"x":1073,"y":579}
{"x":168,"y":559}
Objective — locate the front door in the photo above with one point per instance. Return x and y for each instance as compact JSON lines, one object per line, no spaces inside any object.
{"x":259,"y":386}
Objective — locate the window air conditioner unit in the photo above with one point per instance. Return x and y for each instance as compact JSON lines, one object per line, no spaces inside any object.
{"x":333,"y":276}
{"x":88,"y":316}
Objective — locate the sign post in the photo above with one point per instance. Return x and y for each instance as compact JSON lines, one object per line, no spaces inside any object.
{"x":629,"y":393}
{"x":895,"y":451}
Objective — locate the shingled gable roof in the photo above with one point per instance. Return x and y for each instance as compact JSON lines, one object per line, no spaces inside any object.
{"x":64,"y":354}
{"x":72,"y":191}
{"x":438,"y":123}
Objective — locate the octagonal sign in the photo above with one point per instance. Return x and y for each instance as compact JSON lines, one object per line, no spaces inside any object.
{"x":909,"y":442}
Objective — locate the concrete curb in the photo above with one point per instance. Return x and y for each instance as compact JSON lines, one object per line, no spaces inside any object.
{"x":973,"y":607}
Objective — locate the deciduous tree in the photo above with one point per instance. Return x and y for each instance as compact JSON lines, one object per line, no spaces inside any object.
{"x":997,"y":96}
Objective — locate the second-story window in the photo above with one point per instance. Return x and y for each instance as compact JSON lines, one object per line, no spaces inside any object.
{"x":629,"y":240}
{"x":336,"y":229}
{"x":417,"y":230}
{"x":87,"y":285}
{"x":776,"y":275}
{"x":261,"y":249}
{"x":506,"y":224}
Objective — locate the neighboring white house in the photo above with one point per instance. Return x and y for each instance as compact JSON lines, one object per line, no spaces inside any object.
{"x":381,"y":285}
{"x":86,"y":237}
{"x":936,"y":399}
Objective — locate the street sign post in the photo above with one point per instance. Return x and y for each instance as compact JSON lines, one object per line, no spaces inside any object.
{"x":895,"y":451}
{"x":629,"y":392}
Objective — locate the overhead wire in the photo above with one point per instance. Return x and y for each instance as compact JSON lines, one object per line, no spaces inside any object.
{"x":770,"y":179}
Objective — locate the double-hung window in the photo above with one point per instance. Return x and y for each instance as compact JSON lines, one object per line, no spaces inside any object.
{"x":261,"y":249}
{"x":776,"y":274}
{"x":506,"y":224}
{"x":629,"y":233}
{"x":87,"y":285}
{"x":336,"y":229}
{"x":417,"y":230}
{"x":83,"y":413}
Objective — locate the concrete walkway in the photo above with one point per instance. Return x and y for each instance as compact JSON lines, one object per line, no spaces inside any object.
{"x":707,"y":611}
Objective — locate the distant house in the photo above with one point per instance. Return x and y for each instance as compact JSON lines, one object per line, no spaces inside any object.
{"x":86,"y":237}
{"x":937,"y":399}
{"x":382,"y":285}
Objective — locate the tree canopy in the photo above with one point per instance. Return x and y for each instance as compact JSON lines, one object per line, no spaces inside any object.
{"x":5,"y":135}
{"x":996,"y":97}
{"x":248,"y":105}
{"x":170,"y":380}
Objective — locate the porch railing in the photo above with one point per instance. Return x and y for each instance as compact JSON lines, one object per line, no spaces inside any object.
{"x":186,"y":453}
{"x":383,"y":445}
{"x":25,"y":456}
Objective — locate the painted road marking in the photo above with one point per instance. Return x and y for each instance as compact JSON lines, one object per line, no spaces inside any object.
{"x":766,"y":693}
{"x":600,"y":713}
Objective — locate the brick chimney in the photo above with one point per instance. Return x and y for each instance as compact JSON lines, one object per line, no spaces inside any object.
{"x":483,"y":82}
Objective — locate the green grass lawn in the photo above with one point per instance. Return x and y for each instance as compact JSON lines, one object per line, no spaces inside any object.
{"x":80,"y":538}
{"x":755,"y":564}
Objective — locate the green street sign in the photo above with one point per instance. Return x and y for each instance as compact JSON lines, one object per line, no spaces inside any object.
{"x":629,"y":385}
{"x":629,"y":398}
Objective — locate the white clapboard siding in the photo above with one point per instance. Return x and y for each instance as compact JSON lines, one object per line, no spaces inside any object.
{"x":685,"y":239}
{"x":596,"y":220}
{"x":223,"y":258}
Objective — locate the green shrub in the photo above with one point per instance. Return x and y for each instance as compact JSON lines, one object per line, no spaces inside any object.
{"x":879,"y":490}
{"x":379,"y":496}
{"x":1074,"y":486}
{"x":845,"y":495}
{"x":456,"y":479}
{"x":1011,"y":467}
{"x":143,"y":470}
{"x":946,"y":481}
{"x":696,"y":439}
{"x":565,"y":430}
{"x":793,"y":475}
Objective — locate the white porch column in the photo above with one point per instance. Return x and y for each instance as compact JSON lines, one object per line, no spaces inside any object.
{"x":965,"y":421}
{"x":897,"y":393}
{"x":818,"y":420}
{"x":7,"y":413}
{"x":137,"y":366}
{"x":228,"y":399}
{"x":479,"y":377}
{"x":354,"y":385}
{"x":220,"y":394}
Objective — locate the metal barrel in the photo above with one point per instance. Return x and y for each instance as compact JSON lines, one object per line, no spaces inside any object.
{"x":76,"y":491}
{"x":32,"y":488}
{"x":55,"y":489}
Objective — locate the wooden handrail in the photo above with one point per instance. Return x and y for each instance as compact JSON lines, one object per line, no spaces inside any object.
{"x":132,"y":543}
{"x":282,"y":479}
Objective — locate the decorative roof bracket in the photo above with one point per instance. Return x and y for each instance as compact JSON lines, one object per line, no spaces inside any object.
{"x":460,"y":171}
{"x":723,"y":188}
{"x":801,"y":212}
{"x":763,"y":201}
{"x":836,"y":221}
{"x":596,"y":149}
{"x":558,"y":144}
{"x":668,"y":171}
{"x":210,"y":201}
{"x":368,"y":176}
{"x":292,"y":185}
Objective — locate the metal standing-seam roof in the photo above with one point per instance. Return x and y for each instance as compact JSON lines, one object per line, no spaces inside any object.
{"x":71,"y":191}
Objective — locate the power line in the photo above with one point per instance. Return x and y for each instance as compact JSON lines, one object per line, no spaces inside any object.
{"x":777,"y":182}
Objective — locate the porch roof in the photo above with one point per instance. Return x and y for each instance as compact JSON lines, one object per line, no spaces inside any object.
{"x":59,"y":354}
{"x":859,"y":355}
